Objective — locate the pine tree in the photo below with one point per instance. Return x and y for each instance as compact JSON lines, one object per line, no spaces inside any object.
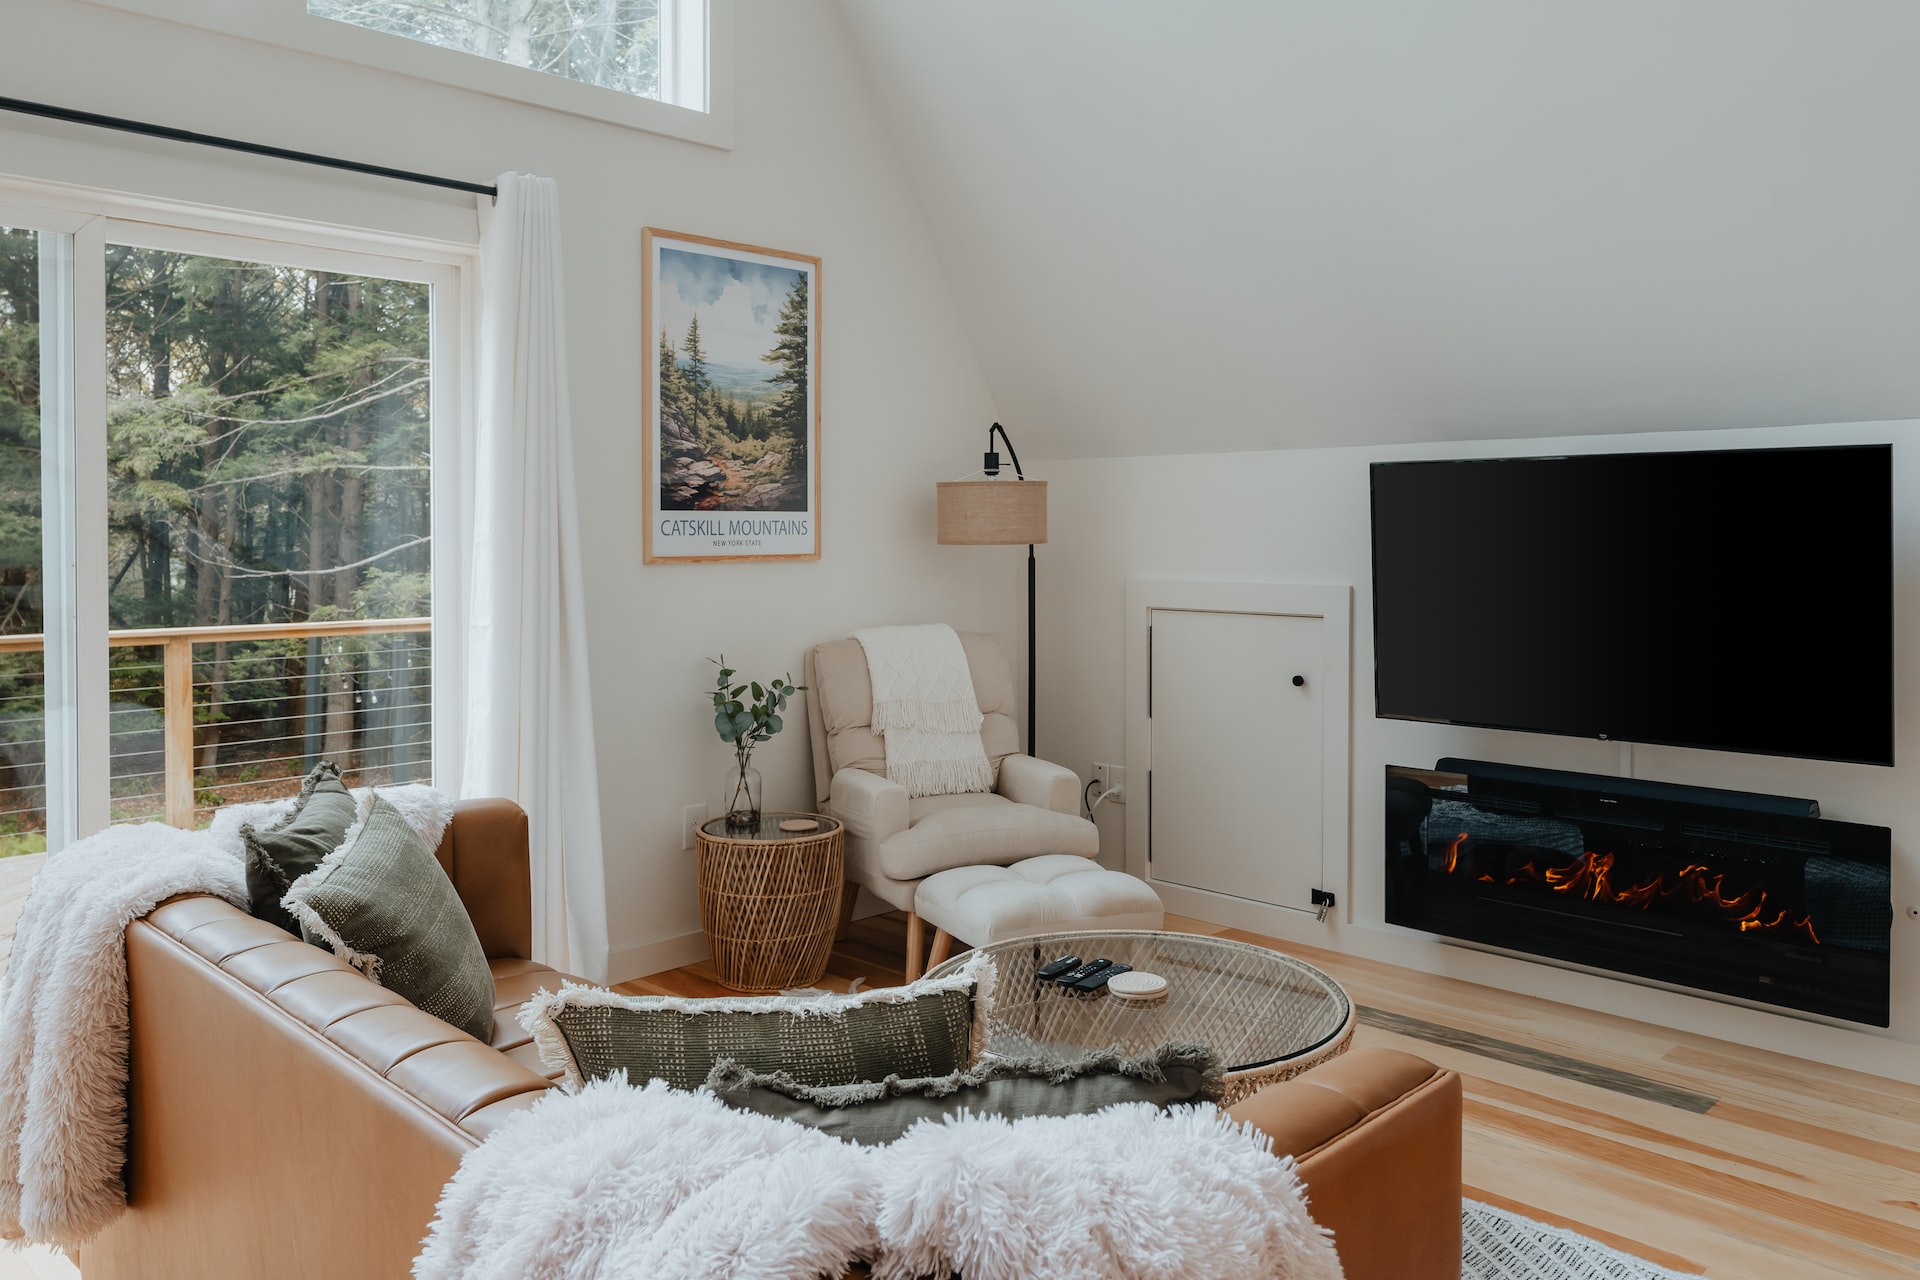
{"x":669,"y":371}
{"x":696,"y":370}
{"x":790,"y":353}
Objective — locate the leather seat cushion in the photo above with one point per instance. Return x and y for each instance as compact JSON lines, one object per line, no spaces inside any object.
{"x":976,"y":834}
{"x":1053,"y":894}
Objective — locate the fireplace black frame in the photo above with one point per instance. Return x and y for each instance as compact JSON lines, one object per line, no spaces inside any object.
{"x":1848,"y":980}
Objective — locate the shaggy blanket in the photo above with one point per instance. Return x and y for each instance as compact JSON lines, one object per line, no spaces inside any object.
{"x":63,"y":1007}
{"x":616,"y":1183}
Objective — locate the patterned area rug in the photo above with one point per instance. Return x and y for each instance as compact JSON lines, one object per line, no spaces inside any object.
{"x":1505,"y":1246}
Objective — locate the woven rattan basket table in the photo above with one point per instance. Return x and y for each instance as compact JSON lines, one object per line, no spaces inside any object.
{"x":1267,"y":1015}
{"x":769,"y":900}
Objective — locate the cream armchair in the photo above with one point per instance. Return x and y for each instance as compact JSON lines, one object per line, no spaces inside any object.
{"x":893,"y":841}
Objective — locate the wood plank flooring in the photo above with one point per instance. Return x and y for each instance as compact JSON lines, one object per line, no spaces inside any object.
{"x":1703,"y":1156}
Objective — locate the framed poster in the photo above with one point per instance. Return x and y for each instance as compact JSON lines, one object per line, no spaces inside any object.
{"x":732,"y":403}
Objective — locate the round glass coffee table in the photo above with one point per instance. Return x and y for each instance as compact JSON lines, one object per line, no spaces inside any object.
{"x":1267,"y":1015}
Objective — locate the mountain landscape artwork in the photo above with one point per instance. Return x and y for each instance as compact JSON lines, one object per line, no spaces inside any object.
{"x":732,"y":401}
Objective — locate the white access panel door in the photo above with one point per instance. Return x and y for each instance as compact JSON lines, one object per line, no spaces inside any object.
{"x":1235,"y":782}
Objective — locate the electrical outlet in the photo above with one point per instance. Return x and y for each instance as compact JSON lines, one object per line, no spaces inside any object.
{"x":1109,"y":777}
{"x":690,"y":819}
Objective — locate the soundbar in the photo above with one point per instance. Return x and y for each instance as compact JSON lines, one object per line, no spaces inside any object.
{"x":1630,"y":788}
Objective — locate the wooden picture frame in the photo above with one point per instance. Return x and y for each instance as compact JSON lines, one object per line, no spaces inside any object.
{"x":731,"y":401}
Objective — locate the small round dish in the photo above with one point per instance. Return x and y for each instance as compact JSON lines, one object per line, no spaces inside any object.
{"x":1138,"y":988}
{"x":799,"y":824}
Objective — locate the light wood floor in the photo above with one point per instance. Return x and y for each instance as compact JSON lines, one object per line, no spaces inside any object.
{"x":1700,"y":1155}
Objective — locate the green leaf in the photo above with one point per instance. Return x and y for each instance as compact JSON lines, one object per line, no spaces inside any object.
{"x":759,"y":693}
{"x":773,"y":725}
{"x":742,"y":722}
{"x":723,"y":725}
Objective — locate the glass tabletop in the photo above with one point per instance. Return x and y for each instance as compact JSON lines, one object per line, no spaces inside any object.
{"x":769,"y":827}
{"x":1253,"y":1006}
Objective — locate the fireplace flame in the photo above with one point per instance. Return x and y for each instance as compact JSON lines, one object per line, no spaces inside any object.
{"x":1591,"y":878}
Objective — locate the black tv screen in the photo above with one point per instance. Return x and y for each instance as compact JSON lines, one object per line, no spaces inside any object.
{"x":1740,"y":600}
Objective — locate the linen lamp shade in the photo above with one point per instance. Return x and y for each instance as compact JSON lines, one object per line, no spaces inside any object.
{"x":992,"y":513}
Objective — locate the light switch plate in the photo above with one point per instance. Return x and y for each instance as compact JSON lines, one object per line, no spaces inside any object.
{"x":690,"y":819}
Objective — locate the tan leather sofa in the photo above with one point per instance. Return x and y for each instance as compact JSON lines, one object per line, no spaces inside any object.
{"x":292,"y":1120}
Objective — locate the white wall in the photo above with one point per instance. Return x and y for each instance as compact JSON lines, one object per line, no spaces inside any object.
{"x":904,"y":401}
{"x":1302,"y":517}
{"x":1280,"y":223}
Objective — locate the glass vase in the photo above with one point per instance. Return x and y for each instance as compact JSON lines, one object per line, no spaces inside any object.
{"x":741,"y":802}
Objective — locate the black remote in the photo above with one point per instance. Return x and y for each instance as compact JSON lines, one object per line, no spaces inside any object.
{"x":1086,"y":970}
{"x":1048,"y":973}
{"x":1095,"y":982}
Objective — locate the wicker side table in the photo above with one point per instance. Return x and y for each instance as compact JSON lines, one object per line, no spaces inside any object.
{"x":770,"y":899}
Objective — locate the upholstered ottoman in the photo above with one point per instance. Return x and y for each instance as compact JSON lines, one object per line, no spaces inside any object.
{"x":1056,"y":893}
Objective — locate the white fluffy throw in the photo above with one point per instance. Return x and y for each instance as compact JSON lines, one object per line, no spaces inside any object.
{"x":63,"y":1010}
{"x":614,"y":1183}
{"x":925,"y":709}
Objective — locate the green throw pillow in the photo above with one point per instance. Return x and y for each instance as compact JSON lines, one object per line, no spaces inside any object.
{"x":929,"y":1028}
{"x":876,"y":1112}
{"x":282,"y":853}
{"x":383,"y":904}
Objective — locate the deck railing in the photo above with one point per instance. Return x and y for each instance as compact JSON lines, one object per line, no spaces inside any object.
{"x":376,"y":701}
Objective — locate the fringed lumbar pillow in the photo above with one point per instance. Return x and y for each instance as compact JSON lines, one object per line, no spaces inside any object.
{"x":933,"y":1027}
{"x":281,"y":852}
{"x":876,"y":1112}
{"x":382,"y":903}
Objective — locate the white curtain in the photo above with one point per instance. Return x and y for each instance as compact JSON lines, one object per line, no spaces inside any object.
{"x":529,"y":709}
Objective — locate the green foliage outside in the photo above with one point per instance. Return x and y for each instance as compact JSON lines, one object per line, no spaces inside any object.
{"x":268,"y":437}
{"x":613,"y":43}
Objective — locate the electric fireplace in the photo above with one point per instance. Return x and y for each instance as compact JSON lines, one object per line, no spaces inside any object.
{"x":1716,"y":891}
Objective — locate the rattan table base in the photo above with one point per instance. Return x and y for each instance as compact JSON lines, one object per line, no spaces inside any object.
{"x":769,"y":901}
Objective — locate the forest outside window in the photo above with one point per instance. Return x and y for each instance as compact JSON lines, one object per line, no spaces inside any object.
{"x":268,"y":467}
{"x":659,"y":65}
{"x":217,"y":516}
{"x":615,"y":44}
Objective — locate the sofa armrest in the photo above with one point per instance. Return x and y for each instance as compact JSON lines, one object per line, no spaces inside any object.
{"x":868,"y":805}
{"x":1040,"y":783}
{"x":484,"y":853}
{"x":1376,"y":1133}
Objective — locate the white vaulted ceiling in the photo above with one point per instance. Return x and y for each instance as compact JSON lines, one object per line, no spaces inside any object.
{"x":1200,"y":226}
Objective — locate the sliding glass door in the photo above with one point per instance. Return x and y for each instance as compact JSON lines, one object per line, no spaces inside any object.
{"x":269,"y":575}
{"x":217,"y":467}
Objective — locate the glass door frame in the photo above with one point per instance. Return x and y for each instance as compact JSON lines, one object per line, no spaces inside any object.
{"x":75,"y":497}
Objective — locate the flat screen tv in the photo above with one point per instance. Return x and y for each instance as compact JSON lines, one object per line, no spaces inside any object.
{"x":1739,"y":600}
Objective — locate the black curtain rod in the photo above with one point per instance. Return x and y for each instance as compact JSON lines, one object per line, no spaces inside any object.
{"x":234,"y":144}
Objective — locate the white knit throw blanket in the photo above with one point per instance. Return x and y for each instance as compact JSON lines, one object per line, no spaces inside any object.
{"x":63,"y":1008}
{"x":925,"y":710}
{"x":615,"y":1183}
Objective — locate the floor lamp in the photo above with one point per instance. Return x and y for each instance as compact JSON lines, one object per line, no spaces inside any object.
{"x":999,"y":513}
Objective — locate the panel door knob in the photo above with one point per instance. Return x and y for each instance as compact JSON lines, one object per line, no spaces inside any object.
{"x":1298,"y":681}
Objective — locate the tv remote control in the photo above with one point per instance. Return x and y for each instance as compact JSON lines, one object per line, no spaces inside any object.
{"x":1047,"y":973}
{"x":1086,"y":970}
{"x":1094,"y":982}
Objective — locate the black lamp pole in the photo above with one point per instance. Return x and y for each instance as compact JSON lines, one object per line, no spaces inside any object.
{"x":992,"y":468}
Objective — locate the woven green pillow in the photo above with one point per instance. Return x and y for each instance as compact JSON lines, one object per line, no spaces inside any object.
{"x":383,"y":904}
{"x":282,"y":853}
{"x":933,"y":1027}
